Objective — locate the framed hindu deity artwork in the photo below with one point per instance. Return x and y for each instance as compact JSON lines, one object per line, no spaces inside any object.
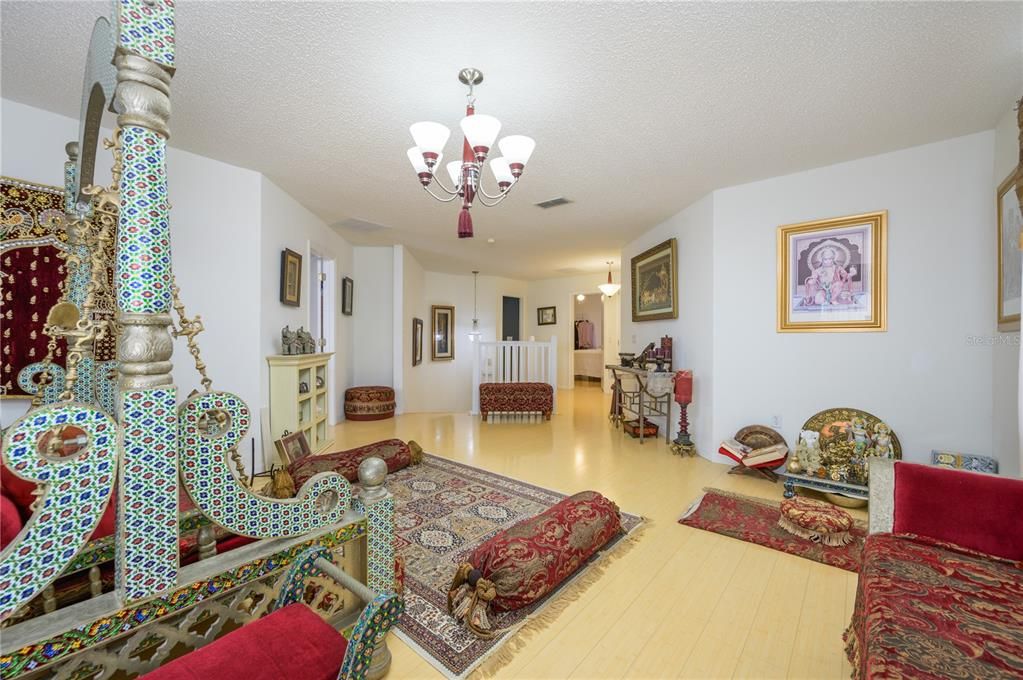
{"x":1010,"y":259}
{"x":292,"y":448}
{"x":291,"y":278}
{"x":655,"y":283}
{"x":832,"y":274}
{"x":443,"y":330}
{"x":417,"y":341}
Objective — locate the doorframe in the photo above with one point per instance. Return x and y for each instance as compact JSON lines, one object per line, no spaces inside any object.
{"x":330,"y":287}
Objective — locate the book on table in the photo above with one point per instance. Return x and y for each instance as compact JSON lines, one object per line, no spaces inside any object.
{"x":749,"y":457}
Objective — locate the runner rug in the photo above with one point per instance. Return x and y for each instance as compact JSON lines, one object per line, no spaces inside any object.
{"x":445,"y":509}
{"x":755,"y":520}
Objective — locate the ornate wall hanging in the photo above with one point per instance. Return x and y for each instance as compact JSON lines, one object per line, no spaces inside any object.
{"x":655,"y":283}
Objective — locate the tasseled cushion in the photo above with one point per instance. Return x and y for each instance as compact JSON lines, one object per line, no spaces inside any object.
{"x":815,"y":521}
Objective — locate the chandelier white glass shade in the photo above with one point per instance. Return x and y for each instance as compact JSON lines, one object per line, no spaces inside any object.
{"x":609,"y":288}
{"x":479,"y":133}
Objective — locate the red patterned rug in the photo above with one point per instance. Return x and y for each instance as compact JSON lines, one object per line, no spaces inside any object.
{"x":443,"y":510}
{"x":755,"y":520}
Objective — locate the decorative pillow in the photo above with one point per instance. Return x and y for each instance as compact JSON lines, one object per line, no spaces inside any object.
{"x":396,"y":453}
{"x":816,"y":521}
{"x":522,"y":564}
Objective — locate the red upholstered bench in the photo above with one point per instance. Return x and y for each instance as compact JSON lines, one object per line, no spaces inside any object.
{"x":519,"y":397}
{"x":292,"y":641}
{"x":375,"y":402}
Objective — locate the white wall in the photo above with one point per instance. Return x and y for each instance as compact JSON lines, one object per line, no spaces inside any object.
{"x":285,"y":223}
{"x":413,"y":306}
{"x":560,"y":293}
{"x":214,"y":240}
{"x":692,"y":332}
{"x":1005,"y":368}
{"x":374,"y":316}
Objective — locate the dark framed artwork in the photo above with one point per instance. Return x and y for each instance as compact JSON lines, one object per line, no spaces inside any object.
{"x":291,"y":278}
{"x":347,"y":295}
{"x":655,"y":283}
{"x":443,"y":333}
{"x":1010,"y":258}
{"x":417,"y":342}
{"x":546,"y":316}
{"x":292,"y":447}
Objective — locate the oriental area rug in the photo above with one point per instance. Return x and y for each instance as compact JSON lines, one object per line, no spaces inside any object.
{"x":443,"y":510}
{"x":755,"y":520}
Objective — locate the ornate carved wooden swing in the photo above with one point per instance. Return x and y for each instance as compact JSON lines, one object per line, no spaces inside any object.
{"x":100,"y":434}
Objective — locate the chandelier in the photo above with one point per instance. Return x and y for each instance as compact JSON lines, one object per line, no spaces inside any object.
{"x":479,"y":131}
{"x":609,"y":288}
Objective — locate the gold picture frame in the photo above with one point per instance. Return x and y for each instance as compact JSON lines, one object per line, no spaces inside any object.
{"x":655,"y":283}
{"x":1010,"y":260}
{"x":833,"y":275}
{"x":442,"y":332}
{"x":291,"y":278}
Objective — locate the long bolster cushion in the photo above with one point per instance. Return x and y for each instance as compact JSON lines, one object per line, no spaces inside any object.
{"x":293,"y":642}
{"x":396,"y":453}
{"x":522,"y":564}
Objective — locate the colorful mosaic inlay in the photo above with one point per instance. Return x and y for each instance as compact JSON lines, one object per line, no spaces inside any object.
{"x":147,"y":29}
{"x":59,"y":647}
{"x":77,"y":491}
{"x":69,"y":187}
{"x":380,"y":515}
{"x":143,"y":267}
{"x":302,"y":569}
{"x":376,"y":619}
{"x":206,"y":471}
{"x":51,"y":392}
{"x":147,"y":503}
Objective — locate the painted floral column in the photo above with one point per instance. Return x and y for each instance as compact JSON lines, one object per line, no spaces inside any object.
{"x":147,"y":558}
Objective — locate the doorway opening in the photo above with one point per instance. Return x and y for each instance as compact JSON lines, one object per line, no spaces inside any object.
{"x":323,"y":320}
{"x":588,"y":347}
{"x":510,"y":311}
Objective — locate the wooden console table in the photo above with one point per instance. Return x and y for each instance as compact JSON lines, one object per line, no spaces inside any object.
{"x":638,"y":402}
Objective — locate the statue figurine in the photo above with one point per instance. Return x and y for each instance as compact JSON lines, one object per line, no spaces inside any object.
{"x":289,"y":341}
{"x":858,"y":430}
{"x":809,"y":440}
{"x":306,"y":344}
{"x":882,"y":441}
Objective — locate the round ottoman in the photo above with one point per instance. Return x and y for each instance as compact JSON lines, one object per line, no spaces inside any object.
{"x":816,"y":521}
{"x":375,"y":402}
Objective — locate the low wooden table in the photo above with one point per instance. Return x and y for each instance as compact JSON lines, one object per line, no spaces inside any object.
{"x":793,"y":480}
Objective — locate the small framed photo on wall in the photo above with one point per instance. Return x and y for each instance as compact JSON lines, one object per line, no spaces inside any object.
{"x":347,"y":295}
{"x":291,"y":278}
{"x":832,"y":274}
{"x":417,"y":342}
{"x":546,"y":316}
{"x":443,"y":333}
{"x":1010,"y":258}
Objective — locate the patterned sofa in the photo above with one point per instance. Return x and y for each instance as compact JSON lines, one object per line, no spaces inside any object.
{"x":516,"y":397}
{"x":941,"y":587}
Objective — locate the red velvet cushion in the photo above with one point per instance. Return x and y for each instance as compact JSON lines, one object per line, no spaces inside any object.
{"x":976,"y":511}
{"x":293,"y":642}
{"x":18,"y":490}
{"x":10,"y":520}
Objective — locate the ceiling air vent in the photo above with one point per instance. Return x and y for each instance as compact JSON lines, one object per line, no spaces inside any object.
{"x":552,"y":203}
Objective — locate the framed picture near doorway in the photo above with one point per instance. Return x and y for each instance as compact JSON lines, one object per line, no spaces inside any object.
{"x":832,"y":274}
{"x":347,"y":295}
{"x":1010,"y":258}
{"x":291,"y":278}
{"x":546,"y":316}
{"x":443,"y":333}
{"x":655,"y":283}
{"x":417,"y":342}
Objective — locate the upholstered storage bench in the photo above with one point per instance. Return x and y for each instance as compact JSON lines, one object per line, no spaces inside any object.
{"x":517,"y":397}
{"x":522,"y":564}
{"x":396,"y":453}
{"x":375,"y":402}
{"x":940,"y":591}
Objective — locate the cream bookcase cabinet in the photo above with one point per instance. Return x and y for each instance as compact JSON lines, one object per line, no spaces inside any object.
{"x":299,"y":401}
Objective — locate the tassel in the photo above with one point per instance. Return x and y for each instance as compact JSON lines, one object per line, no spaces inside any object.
{"x":464,"y":224}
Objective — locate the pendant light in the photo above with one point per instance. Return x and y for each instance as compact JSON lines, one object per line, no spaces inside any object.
{"x":474,"y":334}
{"x":609,"y":288}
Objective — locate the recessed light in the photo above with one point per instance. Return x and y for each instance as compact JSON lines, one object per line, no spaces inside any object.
{"x":491,"y":240}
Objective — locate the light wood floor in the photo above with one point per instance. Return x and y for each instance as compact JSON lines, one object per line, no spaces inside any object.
{"x":682,"y":603}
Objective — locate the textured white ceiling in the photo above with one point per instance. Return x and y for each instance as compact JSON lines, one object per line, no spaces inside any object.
{"x":637,"y":108}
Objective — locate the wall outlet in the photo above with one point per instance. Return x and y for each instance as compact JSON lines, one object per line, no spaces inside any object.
{"x":776,"y":422}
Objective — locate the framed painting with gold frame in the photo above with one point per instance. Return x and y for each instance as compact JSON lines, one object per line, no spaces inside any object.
{"x":832,"y":274}
{"x":655,"y":283}
{"x":442,"y":330}
{"x":1010,"y":259}
{"x":291,"y":278}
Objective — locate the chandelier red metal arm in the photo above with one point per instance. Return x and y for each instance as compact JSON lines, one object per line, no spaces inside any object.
{"x":479,"y":132}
